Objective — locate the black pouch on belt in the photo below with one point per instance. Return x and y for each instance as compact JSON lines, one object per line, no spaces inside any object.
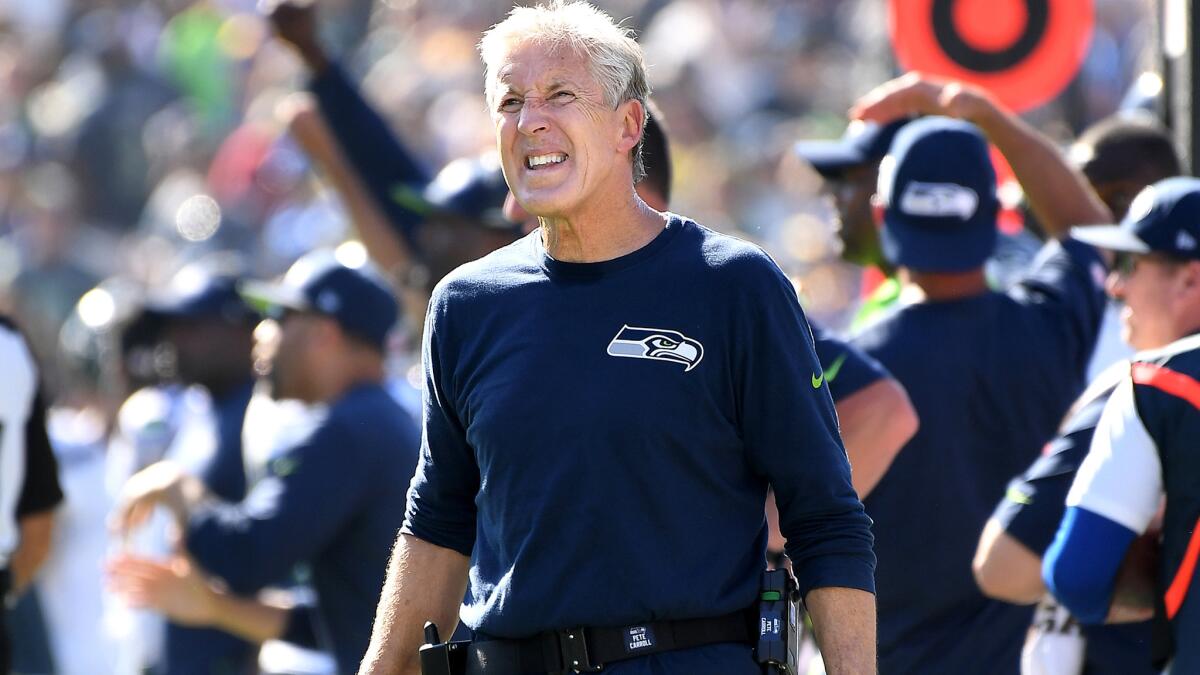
{"x":779,"y":624}
{"x":442,"y":658}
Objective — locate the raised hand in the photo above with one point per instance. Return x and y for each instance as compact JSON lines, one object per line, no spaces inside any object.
{"x":295,"y":22}
{"x":914,"y":94}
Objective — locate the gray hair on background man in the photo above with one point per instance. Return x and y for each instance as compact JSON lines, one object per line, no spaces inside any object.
{"x":615,"y":58}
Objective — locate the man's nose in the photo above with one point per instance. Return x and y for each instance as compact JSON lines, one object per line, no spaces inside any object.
{"x":267,"y":336}
{"x":533,"y":117}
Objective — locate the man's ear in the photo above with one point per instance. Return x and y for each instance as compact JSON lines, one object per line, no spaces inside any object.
{"x":328,"y":332}
{"x":1189,"y":279}
{"x":633,"y":117}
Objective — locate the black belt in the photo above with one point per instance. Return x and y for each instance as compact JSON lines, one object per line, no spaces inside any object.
{"x":588,"y":650}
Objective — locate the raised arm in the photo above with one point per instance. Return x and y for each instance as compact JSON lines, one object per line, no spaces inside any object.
{"x":388,"y":171}
{"x":425,"y":582}
{"x":389,"y":251}
{"x":1059,"y":194}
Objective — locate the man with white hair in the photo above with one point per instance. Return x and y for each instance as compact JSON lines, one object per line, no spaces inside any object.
{"x":607,"y":401}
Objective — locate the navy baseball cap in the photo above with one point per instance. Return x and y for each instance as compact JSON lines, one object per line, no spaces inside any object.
{"x":358,"y":298}
{"x":470,"y":188}
{"x":938,"y":188}
{"x":861,"y":143}
{"x":1163,"y":218}
{"x":196,"y":293}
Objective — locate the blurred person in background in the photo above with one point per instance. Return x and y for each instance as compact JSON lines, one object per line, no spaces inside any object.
{"x":1008,"y":562}
{"x":332,"y":499}
{"x":210,"y":332}
{"x":110,"y":160}
{"x":849,"y":169}
{"x":1120,"y":156}
{"x":996,"y":402}
{"x":29,"y":486}
{"x":1144,"y":447}
{"x":435,"y":222}
{"x":95,"y":362}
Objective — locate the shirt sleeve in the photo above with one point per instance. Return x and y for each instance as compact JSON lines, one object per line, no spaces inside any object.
{"x":1034,"y":503}
{"x":41,"y":491}
{"x":441,"y":499}
{"x":846,"y":368}
{"x":1080,"y":567}
{"x":1121,"y":478}
{"x":791,"y":435}
{"x":389,"y":171}
{"x":1064,"y":292}
{"x":309,"y":494}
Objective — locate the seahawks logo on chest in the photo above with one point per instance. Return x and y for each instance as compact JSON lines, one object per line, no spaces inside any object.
{"x":656,"y":344}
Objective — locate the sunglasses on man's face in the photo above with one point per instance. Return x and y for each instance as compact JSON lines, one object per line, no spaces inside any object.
{"x":1126,"y":263}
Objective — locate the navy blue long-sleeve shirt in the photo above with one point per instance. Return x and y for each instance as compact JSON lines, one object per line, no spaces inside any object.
{"x":335,"y":500}
{"x":599,"y":438}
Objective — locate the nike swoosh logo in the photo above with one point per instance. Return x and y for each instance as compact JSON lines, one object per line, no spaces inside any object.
{"x":832,"y":371}
{"x":1014,"y":495}
{"x":816,"y":381}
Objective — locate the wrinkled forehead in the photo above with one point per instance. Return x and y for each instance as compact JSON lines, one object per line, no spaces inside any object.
{"x":542,"y":64}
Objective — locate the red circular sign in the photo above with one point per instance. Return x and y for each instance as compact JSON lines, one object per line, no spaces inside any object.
{"x":1023,"y":51}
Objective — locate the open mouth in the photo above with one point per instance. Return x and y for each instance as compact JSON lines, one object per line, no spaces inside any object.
{"x":535,"y":162}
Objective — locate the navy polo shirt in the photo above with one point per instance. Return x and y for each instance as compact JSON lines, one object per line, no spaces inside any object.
{"x":990,"y":377}
{"x":335,"y":501}
{"x":599,"y":438}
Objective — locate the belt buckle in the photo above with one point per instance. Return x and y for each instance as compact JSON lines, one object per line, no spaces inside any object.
{"x":573,"y":644}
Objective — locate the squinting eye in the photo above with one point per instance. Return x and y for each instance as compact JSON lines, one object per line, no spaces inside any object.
{"x":563,"y":96}
{"x":510,"y":105}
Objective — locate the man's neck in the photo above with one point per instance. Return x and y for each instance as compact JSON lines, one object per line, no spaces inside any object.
{"x":350,"y":371}
{"x":601,"y":234}
{"x":221,"y":387}
{"x":941,"y":287}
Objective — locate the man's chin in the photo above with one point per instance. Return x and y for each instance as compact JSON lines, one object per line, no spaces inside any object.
{"x":549,"y":202}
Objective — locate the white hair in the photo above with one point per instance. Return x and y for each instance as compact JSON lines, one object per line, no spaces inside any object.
{"x":613,"y":56}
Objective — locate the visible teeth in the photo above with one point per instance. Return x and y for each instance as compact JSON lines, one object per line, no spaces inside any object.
{"x":539,"y":160}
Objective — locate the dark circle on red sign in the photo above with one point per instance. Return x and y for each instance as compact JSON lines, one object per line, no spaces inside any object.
{"x":957,"y":49}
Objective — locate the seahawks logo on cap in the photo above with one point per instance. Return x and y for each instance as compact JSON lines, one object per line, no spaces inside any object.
{"x":1142,"y":204}
{"x":939,"y":200}
{"x":656,"y":344}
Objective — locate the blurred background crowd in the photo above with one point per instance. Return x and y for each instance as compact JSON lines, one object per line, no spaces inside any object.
{"x":140,"y":136}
